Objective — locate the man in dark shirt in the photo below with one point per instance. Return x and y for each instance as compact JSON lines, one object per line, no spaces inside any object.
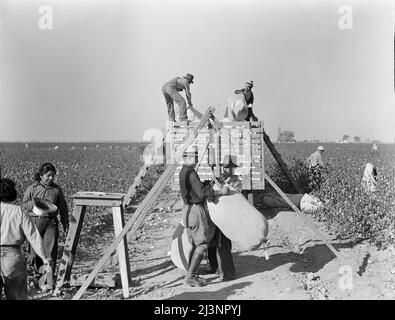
{"x":200,"y":228}
{"x":249,"y":96}
{"x":220,"y":252}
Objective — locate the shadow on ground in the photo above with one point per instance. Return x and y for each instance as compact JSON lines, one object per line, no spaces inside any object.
{"x":221,"y":294}
{"x":165,"y":266}
{"x":312,"y":259}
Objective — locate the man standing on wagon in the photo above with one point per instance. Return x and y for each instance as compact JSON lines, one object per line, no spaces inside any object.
{"x":171,"y":91}
{"x":249,"y":97}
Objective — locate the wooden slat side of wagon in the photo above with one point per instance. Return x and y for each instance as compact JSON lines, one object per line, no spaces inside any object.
{"x":242,"y":141}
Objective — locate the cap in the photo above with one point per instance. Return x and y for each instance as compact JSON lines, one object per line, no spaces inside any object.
{"x":321,"y":148}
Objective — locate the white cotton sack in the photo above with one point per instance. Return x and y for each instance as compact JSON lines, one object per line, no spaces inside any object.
{"x":239,"y":220}
{"x":237,"y":108}
{"x":310,"y":204}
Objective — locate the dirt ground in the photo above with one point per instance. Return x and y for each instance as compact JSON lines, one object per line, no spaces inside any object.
{"x":300,"y":265}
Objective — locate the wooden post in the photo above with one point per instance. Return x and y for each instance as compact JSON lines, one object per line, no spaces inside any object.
{"x":76,"y":220}
{"x":122,"y":250}
{"x":280,"y":162}
{"x":250,"y":198}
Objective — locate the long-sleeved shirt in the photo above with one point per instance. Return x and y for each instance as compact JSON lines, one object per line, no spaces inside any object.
{"x":315,"y":159}
{"x":52,"y":193}
{"x":249,"y":97}
{"x":192,"y":189}
{"x":16,"y":226}
{"x":178,"y":84}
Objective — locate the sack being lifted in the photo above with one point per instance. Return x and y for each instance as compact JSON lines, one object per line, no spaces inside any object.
{"x":237,"y":109}
{"x":239,"y":220}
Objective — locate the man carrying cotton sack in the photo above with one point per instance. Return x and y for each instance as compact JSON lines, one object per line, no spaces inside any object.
{"x":197,"y":221}
{"x":237,"y":219}
{"x":220,"y":251}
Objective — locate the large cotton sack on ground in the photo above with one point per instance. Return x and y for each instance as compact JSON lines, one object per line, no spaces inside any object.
{"x":272,"y":199}
{"x":180,"y":248}
{"x":239,"y":220}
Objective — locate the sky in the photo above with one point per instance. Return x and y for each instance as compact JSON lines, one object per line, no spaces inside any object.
{"x":97,"y":73}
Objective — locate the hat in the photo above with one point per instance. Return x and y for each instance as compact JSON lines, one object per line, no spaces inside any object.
{"x":230,"y":162}
{"x":250,"y":83}
{"x":43,"y":207}
{"x":321,"y":148}
{"x":189,"y":77}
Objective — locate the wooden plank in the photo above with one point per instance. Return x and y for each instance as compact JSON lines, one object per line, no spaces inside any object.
{"x":98,"y":202}
{"x":249,"y":159}
{"x":250,"y":198}
{"x":122,"y":250}
{"x":303,"y":217}
{"x":262,"y":167}
{"x":169,"y":142}
{"x":76,"y":220}
{"x":98,"y":195}
{"x":102,"y":280}
{"x":280,"y":162}
{"x":136,"y":183}
{"x":143,"y":171}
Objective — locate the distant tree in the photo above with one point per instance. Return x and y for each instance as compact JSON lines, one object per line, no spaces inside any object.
{"x":279,"y":134}
{"x":357,"y":139}
{"x":376,"y":141}
{"x":287,"y":136}
{"x":346,"y":137}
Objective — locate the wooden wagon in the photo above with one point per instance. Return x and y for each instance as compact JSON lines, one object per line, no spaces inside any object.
{"x":243,"y":143}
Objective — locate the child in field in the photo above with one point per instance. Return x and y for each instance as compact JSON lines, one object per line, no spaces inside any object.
{"x":45,"y":188}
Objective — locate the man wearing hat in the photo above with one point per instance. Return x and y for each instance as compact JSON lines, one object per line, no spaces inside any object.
{"x":200,"y":228}
{"x":220,"y":252}
{"x":171,"y":91}
{"x":315,"y":158}
{"x":249,"y":97}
